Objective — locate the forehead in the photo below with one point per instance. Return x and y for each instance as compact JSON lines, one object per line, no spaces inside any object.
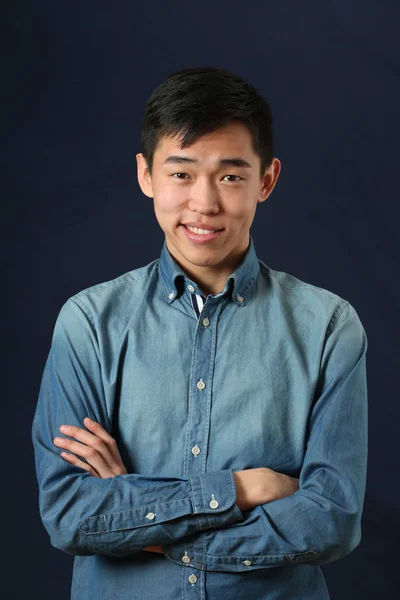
{"x":231,"y":139}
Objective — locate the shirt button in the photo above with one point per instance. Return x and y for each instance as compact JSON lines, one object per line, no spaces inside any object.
{"x":186,"y":558}
{"x":247,"y":563}
{"x":196,"y":450}
{"x":239,"y":298}
{"x":192,"y":579}
{"x":190,"y":288}
{"x":206,"y":322}
{"x":150,"y":516}
{"x":201,"y":385}
{"x":171,"y":295}
{"x":213,"y":503}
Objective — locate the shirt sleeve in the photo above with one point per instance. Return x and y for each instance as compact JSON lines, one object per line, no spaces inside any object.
{"x":320,"y":523}
{"x":120,"y":515}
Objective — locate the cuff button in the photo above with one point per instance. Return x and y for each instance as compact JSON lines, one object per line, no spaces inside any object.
{"x":213,"y":503}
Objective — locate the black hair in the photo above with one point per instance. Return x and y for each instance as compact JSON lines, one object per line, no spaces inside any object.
{"x":195,"y":101}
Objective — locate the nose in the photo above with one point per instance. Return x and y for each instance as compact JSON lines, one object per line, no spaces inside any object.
{"x":203,"y":197}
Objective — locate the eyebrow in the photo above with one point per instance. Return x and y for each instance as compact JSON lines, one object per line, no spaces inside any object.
{"x":233,"y":162}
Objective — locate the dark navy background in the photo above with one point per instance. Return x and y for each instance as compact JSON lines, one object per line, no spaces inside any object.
{"x":75,"y":80}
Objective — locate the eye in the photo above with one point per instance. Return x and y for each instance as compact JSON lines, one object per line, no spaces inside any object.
{"x":177,"y":175}
{"x":236,"y":180}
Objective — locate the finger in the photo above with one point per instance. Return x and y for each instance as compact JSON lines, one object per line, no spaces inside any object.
{"x":91,"y":440}
{"x":74,"y":460}
{"x":101,"y":433}
{"x":154,"y":549}
{"x":88,"y":453}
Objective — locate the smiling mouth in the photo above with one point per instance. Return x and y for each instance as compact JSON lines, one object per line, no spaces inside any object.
{"x":201,"y":231}
{"x":197,"y":235}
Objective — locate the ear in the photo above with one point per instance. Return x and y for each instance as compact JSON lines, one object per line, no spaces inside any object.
{"x":143,"y":175}
{"x":269,"y":180}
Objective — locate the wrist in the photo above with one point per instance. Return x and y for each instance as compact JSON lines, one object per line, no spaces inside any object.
{"x":244,"y":497}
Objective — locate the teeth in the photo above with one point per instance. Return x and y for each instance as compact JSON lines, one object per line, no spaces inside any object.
{"x":201,"y":231}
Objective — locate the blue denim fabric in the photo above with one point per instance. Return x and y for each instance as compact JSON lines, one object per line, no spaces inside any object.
{"x":276,"y":377}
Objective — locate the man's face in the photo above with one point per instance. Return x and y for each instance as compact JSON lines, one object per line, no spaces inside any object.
{"x":212,"y":185}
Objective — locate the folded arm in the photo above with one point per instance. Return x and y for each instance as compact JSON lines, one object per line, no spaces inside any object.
{"x":102,"y":459}
{"x":320,"y":522}
{"x":119,"y":515}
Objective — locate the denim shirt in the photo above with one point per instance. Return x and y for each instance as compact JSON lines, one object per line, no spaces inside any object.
{"x":271,"y":374}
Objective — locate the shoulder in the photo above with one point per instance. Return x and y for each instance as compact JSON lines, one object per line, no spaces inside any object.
{"x":308,"y":301}
{"x":117,"y":296}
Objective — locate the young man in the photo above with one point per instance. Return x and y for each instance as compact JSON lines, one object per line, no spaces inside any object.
{"x":227,"y":453}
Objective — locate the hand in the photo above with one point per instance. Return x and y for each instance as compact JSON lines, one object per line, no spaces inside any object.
{"x":259,"y":486}
{"x":100,"y":450}
{"x":97,"y":447}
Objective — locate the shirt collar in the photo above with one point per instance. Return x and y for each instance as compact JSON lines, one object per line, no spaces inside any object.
{"x":238,"y":283}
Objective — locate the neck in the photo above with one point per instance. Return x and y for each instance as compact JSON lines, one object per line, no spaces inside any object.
{"x":210,"y":279}
{"x":209,"y":283}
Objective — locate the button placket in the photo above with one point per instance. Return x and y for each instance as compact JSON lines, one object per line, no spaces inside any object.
{"x":200,"y":390}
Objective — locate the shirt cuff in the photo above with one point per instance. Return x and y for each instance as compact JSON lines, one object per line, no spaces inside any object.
{"x":213,"y":497}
